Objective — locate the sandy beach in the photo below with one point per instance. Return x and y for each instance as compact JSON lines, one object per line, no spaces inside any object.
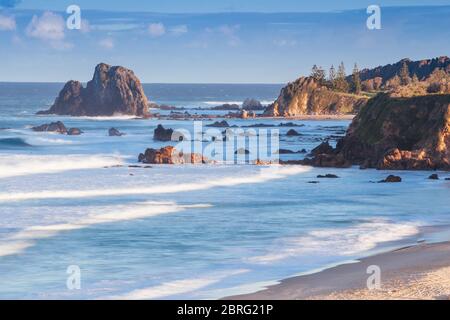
{"x":417,"y":272}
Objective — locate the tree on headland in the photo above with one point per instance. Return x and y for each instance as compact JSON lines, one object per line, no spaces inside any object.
{"x":341,"y":83}
{"x":332,"y":77}
{"x":356,"y":80}
{"x":318,"y":74}
{"x":405,"y":79}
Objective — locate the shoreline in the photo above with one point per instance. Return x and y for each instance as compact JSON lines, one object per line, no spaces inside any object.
{"x":420,"y":271}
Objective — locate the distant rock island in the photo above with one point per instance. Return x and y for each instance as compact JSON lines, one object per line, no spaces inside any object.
{"x":306,"y":96}
{"x":112,"y":90}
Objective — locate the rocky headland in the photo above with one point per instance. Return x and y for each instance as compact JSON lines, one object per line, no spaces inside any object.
{"x":306,"y":96}
{"x":390,"y":132}
{"x":112,"y":90}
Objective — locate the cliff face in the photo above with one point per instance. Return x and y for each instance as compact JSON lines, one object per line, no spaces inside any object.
{"x":112,"y":90}
{"x":422,"y":69}
{"x":400,"y":133}
{"x":306,"y":96}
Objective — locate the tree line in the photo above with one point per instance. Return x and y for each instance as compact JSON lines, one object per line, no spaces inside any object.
{"x":337,"y":79}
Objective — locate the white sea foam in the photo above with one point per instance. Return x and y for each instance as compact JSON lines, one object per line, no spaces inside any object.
{"x":26,"y":238}
{"x":265,"y":174}
{"x":219,"y":103}
{"x":174,"y":287}
{"x":19,"y":165}
{"x":344,"y":242}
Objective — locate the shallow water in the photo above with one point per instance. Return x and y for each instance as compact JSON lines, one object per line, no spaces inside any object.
{"x":182,"y":231}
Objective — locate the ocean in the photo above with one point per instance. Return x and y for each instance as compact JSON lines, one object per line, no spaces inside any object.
{"x":194,"y":231}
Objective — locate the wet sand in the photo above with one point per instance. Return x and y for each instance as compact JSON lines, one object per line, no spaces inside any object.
{"x":417,"y":272}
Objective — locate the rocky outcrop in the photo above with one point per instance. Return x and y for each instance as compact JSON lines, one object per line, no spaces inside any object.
{"x":113,"y":132}
{"x":57,"y":127}
{"x":306,"y":96}
{"x":170,"y":155}
{"x":112,"y":90}
{"x":396,"y":133}
{"x":74,"y":132}
{"x":162,"y":134}
{"x":252,"y":105}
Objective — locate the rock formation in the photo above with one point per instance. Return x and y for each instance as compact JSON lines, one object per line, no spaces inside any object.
{"x":112,"y":90}
{"x":396,"y":133}
{"x":305,"y":96}
{"x":57,"y":127}
{"x":169,"y":155}
{"x":113,"y":132}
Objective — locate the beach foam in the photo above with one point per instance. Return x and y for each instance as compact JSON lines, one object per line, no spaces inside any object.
{"x":26,"y":238}
{"x":337,"y":241}
{"x":20,"y":165}
{"x":265,"y":174}
{"x":174,"y":287}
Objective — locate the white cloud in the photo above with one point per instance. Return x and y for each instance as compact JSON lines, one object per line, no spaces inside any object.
{"x":7,"y":23}
{"x":156,"y":29}
{"x":48,"y":27}
{"x":85,"y":26}
{"x":179,"y":30}
{"x":107,"y":43}
{"x":285,"y":43}
{"x":229,"y":32}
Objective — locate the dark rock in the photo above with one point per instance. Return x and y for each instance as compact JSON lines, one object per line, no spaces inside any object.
{"x":390,"y":179}
{"x":322,"y":148}
{"x":162,"y":134}
{"x":290,"y":124}
{"x":242,"y":151}
{"x":113,"y":132}
{"x":219,"y":124}
{"x":328,"y":175}
{"x":292,"y":133}
{"x":285,"y":151}
{"x":434,"y":176}
{"x":313,"y":182}
{"x":252,"y":104}
{"x":74,"y":132}
{"x":58,"y":127}
{"x":112,"y":90}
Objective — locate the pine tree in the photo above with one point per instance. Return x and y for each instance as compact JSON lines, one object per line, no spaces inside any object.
{"x":404,"y":75}
{"x":341,"y":82}
{"x":356,"y":80}
{"x":332,"y":77}
{"x":318,"y":74}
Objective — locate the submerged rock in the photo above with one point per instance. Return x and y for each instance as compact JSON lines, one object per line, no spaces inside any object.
{"x":74,"y":132}
{"x":292,"y":133}
{"x":219,"y":124}
{"x":434,"y":176}
{"x":113,"y":132}
{"x":112,"y":90}
{"x":328,"y":176}
{"x":57,"y":127}
{"x":391,"y":179}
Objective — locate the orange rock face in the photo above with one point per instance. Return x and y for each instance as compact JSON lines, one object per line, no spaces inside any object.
{"x":170,"y":155}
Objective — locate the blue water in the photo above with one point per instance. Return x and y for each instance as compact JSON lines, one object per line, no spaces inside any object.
{"x":182,"y":231}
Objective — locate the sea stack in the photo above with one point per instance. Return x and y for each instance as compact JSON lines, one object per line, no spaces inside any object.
{"x":306,"y":96}
{"x":113,"y":90}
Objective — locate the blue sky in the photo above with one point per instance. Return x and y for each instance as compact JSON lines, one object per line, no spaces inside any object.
{"x":213,"y":41}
